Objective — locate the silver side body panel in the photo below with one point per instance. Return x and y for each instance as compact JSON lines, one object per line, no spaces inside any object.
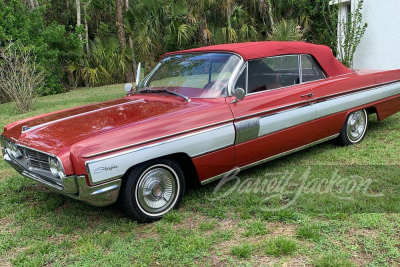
{"x":194,"y":144}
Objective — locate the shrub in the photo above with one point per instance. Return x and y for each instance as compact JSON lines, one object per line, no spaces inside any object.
{"x":20,"y":80}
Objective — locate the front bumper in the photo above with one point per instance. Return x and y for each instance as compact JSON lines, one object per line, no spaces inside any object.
{"x":75,"y":186}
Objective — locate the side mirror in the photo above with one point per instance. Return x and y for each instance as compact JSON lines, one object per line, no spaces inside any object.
{"x":239,"y":94}
{"x":128,"y":87}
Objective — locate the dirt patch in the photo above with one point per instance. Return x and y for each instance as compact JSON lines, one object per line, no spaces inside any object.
{"x":5,"y":262}
{"x":61,"y":237}
{"x":5,"y":173}
{"x":361,"y":258}
{"x":297,"y":261}
{"x":282,"y":229}
{"x":5,"y":226}
{"x":362,"y":232}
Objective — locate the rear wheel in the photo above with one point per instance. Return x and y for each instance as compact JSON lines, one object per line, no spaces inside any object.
{"x":152,"y":189}
{"x":354,"y":128}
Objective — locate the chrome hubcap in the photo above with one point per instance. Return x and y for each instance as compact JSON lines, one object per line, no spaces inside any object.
{"x":356,"y":125}
{"x":157,"y":190}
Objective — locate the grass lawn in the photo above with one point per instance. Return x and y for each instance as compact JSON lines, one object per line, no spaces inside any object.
{"x":323,"y":206}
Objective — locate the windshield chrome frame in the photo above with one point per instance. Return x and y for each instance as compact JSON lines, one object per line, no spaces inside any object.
{"x":231,"y":81}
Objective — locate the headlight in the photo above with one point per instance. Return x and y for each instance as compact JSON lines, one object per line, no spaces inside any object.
{"x":16,"y":152}
{"x":56,"y":168}
{"x":8,"y":147}
{"x":13,"y":150}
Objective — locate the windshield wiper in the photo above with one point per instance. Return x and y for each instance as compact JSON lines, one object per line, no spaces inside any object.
{"x":165,"y":91}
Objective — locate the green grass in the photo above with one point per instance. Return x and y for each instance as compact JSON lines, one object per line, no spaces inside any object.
{"x":280,"y":246}
{"x":309,"y":231}
{"x":332,"y":260}
{"x":242,"y":251}
{"x":306,"y":225}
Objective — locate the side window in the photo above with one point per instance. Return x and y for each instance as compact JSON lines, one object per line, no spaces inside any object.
{"x":311,"y":71}
{"x":273,"y":72}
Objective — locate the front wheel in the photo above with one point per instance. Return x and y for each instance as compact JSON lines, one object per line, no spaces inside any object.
{"x":152,"y":189}
{"x":354,"y":128}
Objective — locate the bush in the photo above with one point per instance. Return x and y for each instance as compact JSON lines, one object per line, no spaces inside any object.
{"x":20,"y":79}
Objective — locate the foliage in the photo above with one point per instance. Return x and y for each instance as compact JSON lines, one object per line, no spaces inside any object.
{"x":154,"y":27}
{"x":105,"y":64}
{"x":321,"y":19}
{"x":20,"y":80}
{"x":351,"y":32}
{"x":286,"y":31}
{"x":49,"y":42}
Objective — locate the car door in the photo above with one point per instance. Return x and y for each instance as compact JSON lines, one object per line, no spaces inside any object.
{"x":274,"y":116}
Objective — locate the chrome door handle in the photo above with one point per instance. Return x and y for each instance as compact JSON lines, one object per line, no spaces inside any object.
{"x":309,"y":95}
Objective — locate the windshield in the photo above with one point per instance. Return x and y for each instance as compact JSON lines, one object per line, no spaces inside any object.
{"x":194,"y":75}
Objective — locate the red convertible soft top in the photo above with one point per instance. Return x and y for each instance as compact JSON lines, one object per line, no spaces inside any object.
{"x":251,"y":50}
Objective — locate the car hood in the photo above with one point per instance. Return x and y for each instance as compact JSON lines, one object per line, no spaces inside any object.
{"x":55,"y":131}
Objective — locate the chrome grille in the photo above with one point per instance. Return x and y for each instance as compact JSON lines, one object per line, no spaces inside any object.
{"x":38,"y":160}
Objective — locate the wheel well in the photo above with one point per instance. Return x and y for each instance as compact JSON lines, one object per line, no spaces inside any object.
{"x":372,"y":110}
{"x":184,"y":161}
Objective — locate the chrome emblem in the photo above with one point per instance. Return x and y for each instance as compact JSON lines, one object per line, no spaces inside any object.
{"x":25,"y":128}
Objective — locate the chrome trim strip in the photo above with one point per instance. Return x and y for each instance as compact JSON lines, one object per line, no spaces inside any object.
{"x":344,"y":102}
{"x":234,"y":76}
{"x":210,"y":150}
{"x":156,"y":144}
{"x":105,"y":189}
{"x":155,"y":139}
{"x":274,"y":109}
{"x":300,"y":69}
{"x":247,"y":130}
{"x":193,"y":144}
{"x":212,"y":179}
{"x":78,"y":115}
{"x":100,"y":195}
{"x":357,"y":89}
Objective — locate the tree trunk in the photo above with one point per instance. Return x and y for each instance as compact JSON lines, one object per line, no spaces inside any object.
{"x":78,"y":17}
{"x":133,"y":67}
{"x":131,"y":46}
{"x":32,"y":4}
{"x":86,"y":27}
{"x":271,"y":17}
{"x":120,"y":24}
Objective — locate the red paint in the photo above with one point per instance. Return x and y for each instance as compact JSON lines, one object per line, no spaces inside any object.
{"x":215,"y":163}
{"x":126,"y":121}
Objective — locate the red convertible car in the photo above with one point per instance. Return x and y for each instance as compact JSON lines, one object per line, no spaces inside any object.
{"x":196,"y":116}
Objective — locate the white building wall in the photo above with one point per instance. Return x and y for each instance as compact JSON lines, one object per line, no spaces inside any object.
{"x":380,"y":46}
